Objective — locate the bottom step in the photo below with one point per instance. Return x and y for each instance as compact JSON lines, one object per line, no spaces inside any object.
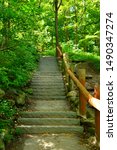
{"x":36,"y":129}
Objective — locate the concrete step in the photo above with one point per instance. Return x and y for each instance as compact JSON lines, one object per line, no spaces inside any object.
{"x":38,"y":129}
{"x":48,"y":114}
{"x":48,"y":94}
{"x":50,"y":105}
{"x":48,"y":97}
{"x":48,"y":121}
{"x":47,"y":77}
{"x":46,"y":73}
{"x":48,"y":83}
{"x":49,"y":90}
{"x":48,"y":87}
{"x":47,"y":80}
{"x":89,"y":76}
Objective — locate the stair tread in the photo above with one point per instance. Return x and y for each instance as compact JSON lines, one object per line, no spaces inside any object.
{"x":32,"y":129}
{"x":49,"y":121}
{"x":50,"y":110}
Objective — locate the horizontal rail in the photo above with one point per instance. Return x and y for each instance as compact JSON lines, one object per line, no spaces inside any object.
{"x":91,"y":100}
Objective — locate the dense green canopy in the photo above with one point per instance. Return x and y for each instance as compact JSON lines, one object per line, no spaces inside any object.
{"x":33,"y":21}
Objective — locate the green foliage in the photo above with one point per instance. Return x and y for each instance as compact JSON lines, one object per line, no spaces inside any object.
{"x":7,"y":113}
{"x":49,"y":52}
{"x":17,"y":65}
{"x":6,"y":109}
{"x":79,"y":55}
{"x":90,"y":43}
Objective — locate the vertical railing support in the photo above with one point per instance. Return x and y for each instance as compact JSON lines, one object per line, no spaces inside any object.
{"x":67,"y":77}
{"x":71,"y":83}
{"x":97,"y":113}
{"x":82,"y":100}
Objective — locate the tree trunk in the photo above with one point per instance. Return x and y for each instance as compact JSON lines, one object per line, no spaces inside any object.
{"x":6,"y":29}
{"x":56,"y":25}
{"x":66,"y":28}
{"x":76,"y":25}
{"x":57,"y":6}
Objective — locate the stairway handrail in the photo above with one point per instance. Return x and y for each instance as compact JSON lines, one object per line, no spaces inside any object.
{"x":90,"y":99}
{"x":94,"y":102}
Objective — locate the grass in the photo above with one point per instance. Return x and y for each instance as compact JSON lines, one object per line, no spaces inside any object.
{"x":78,"y":55}
{"x":49,"y":52}
{"x":93,"y":59}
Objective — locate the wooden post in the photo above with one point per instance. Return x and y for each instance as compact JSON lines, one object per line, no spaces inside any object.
{"x":67,"y":77}
{"x":71,"y":83}
{"x":97,"y":113}
{"x":83,"y":101}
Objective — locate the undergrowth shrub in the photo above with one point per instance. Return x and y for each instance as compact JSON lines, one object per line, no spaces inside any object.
{"x":7,"y":116}
{"x":16,"y":67}
{"x":79,"y":55}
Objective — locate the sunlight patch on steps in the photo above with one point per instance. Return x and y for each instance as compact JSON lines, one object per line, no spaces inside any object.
{"x":41,"y":143}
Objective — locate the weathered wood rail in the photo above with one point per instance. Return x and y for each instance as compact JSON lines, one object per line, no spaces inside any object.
{"x":85,"y":96}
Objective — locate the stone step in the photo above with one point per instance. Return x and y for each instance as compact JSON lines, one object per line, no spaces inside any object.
{"x":48,"y":87}
{"x":89,"y":76}
{"x":47,"y":76}
{"x":49,"y":70}
{"x":48,"y":121}
{"x":48,"y":83}
{"x":46,"y":73}
{"x":48,"y":97}
{"x":48,"y":94}
{"x":48,"y":114}
{"x":50,"y":105}
{"x":38,"y":129}
{"x":49,"y":90}
{"x":47,"y":80}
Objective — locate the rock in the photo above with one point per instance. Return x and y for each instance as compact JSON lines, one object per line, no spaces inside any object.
{"x":21,"y":99}
{"x":92,"y":140}
{"x":2,"y":93}
{"x":2,"y":145}
{"x":72,"y":95}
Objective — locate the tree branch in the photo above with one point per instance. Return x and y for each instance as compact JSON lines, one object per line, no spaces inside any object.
{"x":59,"y":5}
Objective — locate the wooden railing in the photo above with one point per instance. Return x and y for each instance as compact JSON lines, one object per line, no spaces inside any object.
{"x":85,"y":96}
{"x":90,"y":99}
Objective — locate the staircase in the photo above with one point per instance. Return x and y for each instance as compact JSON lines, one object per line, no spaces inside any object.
{"x":50,"y":111}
